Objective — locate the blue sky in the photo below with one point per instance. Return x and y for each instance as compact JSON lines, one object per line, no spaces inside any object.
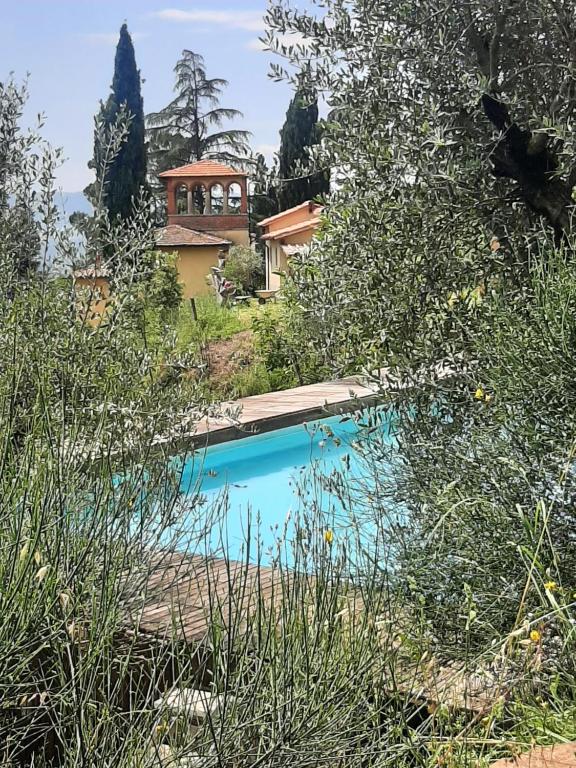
{"x":67,"y":47}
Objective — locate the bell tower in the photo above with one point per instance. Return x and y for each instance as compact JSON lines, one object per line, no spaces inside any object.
{"x":209,"y":197}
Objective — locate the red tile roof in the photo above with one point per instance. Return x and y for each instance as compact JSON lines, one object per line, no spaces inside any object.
{"x":202,"y":168}
{"x":91,"y":272}
{"x":174,"y":234}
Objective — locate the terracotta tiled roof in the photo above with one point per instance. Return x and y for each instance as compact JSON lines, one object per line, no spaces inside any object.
{"x":174,"y":234}
{"x":314,"y":208}
{"x":202,"y":168}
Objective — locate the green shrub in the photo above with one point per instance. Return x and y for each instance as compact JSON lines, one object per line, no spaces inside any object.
{"x":289,"y":362}
{"x":245,"y":268}
{"x":254,"y":380}
{"x":214,"y":322}
{"x":163,"y":289}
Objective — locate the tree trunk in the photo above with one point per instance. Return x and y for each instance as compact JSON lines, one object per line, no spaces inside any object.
{"x":530,"y":160}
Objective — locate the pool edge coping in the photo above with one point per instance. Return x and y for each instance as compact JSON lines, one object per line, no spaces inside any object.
{"x":232,"y":432}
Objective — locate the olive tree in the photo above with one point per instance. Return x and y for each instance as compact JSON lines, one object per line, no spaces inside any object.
{"x":447,"y":242}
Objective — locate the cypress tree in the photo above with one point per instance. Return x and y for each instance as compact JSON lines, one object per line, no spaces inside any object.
{"x":264,"y":196}
{"x":300,"y":131}
{"x":126,"y":175}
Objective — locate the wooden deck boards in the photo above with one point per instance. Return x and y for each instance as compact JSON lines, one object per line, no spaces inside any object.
{"x":184,"y":594}
{"x":274,"y":410}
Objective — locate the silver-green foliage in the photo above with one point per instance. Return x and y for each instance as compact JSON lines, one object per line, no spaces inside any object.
{"x":79,"y":407}
{"x":446,"y":259}
{"x":244,"y":267}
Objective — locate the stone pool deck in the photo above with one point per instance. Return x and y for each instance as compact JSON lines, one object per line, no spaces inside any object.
{"x":275,"y":410}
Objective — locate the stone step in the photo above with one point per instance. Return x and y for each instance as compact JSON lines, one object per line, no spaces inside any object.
{"x":191,"y":703}
{"x":164,"y":757}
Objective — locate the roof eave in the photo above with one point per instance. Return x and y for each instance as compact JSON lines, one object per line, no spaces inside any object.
{"x":310,"y":204}
{"x":296,"y":229}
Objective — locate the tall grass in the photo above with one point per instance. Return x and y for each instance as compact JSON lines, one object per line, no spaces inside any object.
{"x":341,"y":659}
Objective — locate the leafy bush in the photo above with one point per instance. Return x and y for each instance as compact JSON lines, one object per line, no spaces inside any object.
{"x":279,"y":337}
{"x":163,"y":289}
{"x":254,"y":380}
{"x":440,"y":264}
{"x":245,"y":268}
{"x":80,"y":407}
{"x":214,"y":321}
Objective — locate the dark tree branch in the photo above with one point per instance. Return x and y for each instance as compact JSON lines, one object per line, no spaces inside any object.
{"x":530,"y":160}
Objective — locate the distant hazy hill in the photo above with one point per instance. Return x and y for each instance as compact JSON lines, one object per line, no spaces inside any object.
{"x":69,"y":202}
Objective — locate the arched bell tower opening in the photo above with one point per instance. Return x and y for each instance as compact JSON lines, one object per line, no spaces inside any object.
{"x":209,"y":197}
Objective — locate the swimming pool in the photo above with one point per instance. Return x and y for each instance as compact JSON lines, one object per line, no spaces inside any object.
{"x":251,"y":498}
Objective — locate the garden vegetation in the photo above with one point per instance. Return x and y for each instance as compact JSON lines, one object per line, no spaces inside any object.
{"x":445,"y":264}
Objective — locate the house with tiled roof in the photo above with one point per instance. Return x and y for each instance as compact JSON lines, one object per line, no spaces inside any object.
{"x":285,"y":234}
{"x":207,"y":206}
{"x":93,"y":292}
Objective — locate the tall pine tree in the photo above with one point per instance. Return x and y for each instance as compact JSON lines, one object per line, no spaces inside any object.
{"x":184,"y":131}
{"x":125,"y":176}
{"x":299,"y":133}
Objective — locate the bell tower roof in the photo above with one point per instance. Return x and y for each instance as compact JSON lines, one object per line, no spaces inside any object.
{"x":202,"y":169}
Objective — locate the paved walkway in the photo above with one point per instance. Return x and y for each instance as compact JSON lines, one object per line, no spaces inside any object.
{"x":274,"y":410}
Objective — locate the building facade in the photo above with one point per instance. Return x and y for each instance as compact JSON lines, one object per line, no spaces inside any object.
{"x":93,"y":292}
{"x":285,"y":234}
{"x":207,"y":213}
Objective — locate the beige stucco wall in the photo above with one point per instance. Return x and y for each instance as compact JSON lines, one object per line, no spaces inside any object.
{"x":193,"y":265}
{"x":300,"y":238}
{"x":236,"y":236}
{"x":276,"y":259}
{"x":93,"y":294}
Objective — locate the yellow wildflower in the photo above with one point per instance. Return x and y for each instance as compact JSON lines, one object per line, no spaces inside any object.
{"x":487,"y":398}
{"x":479,"y":394}
{"x":328,"y":536}
{"x":551,"y":586}
{"x":535,"y":636}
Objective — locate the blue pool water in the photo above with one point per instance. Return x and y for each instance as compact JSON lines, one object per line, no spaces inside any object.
{"x":253,"y":497}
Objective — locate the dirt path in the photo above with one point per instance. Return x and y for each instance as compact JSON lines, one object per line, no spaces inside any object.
{"x":228,"y":356}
